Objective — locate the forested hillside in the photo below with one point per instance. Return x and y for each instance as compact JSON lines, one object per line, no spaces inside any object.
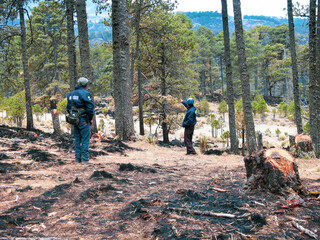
{"x":212,"y":20}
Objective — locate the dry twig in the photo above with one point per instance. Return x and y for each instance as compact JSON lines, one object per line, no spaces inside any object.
{"x":204,"y":213}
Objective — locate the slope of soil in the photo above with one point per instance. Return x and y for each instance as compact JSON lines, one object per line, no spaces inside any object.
{"x":135,"y":190}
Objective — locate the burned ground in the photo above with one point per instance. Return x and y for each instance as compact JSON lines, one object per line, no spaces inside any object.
{"x":138,"y":191}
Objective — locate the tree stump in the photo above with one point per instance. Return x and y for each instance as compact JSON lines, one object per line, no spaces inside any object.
{"x":274,"y":169}
{"x":303,"y":143}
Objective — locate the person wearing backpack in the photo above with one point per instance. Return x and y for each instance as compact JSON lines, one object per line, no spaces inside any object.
{"x":188,"y":123}
{"x":79,"y":101}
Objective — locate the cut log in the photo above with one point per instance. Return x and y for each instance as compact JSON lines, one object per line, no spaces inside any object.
{"x":303,"y":143}
{"x":274,"y":169}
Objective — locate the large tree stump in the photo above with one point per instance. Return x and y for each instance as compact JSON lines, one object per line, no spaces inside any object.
{"x":303,"y":142}
{"x":274,"y":169}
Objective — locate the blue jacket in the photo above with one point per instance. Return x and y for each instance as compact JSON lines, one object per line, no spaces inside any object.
{"x":190,"y":118}
{"x":81,"y":98}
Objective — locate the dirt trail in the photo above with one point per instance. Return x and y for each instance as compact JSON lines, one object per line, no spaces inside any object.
{"x":136,"y":191}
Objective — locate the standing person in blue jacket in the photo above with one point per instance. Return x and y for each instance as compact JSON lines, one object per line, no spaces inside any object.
{"x":81,"y":98}
{"x":188,"y":123}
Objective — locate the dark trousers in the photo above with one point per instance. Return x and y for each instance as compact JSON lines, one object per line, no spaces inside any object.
{"x":82,"y":140}
{"x":188,"y":133}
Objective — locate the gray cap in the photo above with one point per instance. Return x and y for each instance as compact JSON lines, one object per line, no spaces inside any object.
{"x":83,"y":81}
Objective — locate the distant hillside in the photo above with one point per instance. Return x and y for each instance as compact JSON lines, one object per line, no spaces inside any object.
{"x":212,"y":20}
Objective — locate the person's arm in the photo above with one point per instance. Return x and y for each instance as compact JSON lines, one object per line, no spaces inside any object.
{"x":68,"y":104}
{"x":185,"y":103}
{"x":89,"y":106}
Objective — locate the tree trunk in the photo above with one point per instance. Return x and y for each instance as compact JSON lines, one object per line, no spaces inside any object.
{"x":84,"y":47}
{"x":210,"y":78}
{"x":164,"y":124}
{"x":203,"y":82}
{"x":137,"y":56}
{"x":244,"y":77}
{"x":295,"y":77}
{"x":72,"y":59}
{"x":121,"y":70}
{"x":55,"y":117}
{"x":221,"y":74}
{"x":274,"y":169}
{"x":25,"y":67}
{"x":314,"y":93}
{"x":230,"y":92}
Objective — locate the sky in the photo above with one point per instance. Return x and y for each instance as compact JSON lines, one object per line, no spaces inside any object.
{"x":248,"y":7}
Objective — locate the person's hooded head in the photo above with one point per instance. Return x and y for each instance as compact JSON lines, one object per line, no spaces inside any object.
{"x":190,"y":101}
{"x":83,"y":81}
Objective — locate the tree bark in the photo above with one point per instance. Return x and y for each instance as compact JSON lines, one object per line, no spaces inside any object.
{"x":274,"y":169}
{"x":137,"y":56}
{"x":55,"y":117}
{"x":230,"y":92}
{"x":295,"y":77}
{"x":72,"y":59}
{"x":86,"y":67}
{"x":244,"y":77}
{"x":164,"y":124}
{"x":314,"y":93}
{"x":25,"y":67}
{"x":121,"y":70}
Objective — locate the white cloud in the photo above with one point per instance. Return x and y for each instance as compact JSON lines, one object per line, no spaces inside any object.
{"x":248,"y":7}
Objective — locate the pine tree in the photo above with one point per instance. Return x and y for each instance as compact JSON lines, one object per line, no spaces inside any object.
{"x":230,"y":92}
{"x":244,"y":76}
{"x":121,"y":70}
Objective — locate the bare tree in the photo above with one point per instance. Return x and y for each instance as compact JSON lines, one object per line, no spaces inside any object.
{"x":26,"y":75}
{"x":86,"y":67}
{"x":295,"y":79}
{"x":230,"y":93}
{"x":314,"y":93}
{"x":244,"y":77}
{"x":121,"y":70}
{"x":71,"y":44}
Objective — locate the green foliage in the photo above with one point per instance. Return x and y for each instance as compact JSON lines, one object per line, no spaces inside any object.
{"x":102,"y":63}
{"x":3,"y":103}
{"x":278,"y":132}
{"x":239,"y":106}
{"x":36,"y":109}
{"x":62,"y":106}
{"x":45,"y":110}
{"x":216,"y":124}
{"x":17,"y":108}
{"x":259,"y":105}
{"x":210,"y":117}
{"x":283,"y":108}
{"x":104,"y":110}
{"x":306,"y":128}
{"x":223,"y":107}
{"x":204,"y":106}
{"x":291,"y":108}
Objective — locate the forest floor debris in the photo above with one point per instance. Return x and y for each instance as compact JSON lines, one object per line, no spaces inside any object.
{"x":140,"y":191}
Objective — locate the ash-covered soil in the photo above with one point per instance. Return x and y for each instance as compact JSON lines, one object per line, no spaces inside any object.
{"x":135,"y":190}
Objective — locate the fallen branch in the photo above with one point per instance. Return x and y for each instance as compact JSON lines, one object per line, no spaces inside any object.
{"x":219,"y":190}
{"x":258,"y":203}
{"x":203,"y":213}
{"x":304,"y":230}
{"x":17,"y":197}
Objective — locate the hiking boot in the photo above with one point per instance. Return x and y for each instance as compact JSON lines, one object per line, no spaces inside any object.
{"x":87,"y":162}
{"x":192,"y":153}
